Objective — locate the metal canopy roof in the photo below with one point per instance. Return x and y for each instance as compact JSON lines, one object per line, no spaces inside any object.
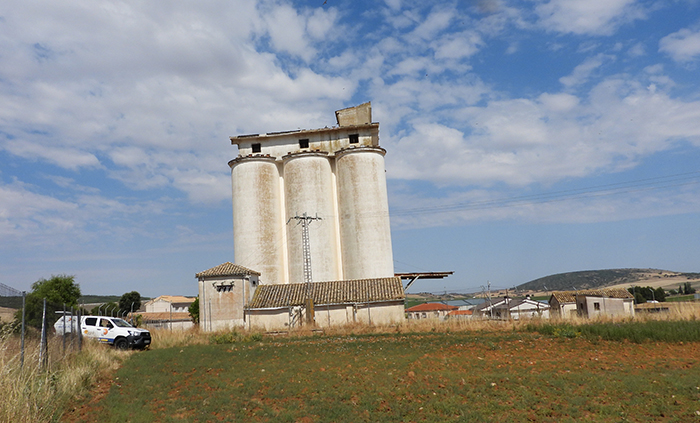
{"x":414,"y":276}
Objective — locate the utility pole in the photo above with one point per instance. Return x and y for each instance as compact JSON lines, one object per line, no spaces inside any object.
{"x":305,"y":220}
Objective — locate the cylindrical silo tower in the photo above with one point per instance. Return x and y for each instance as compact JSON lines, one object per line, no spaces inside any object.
{"x":258,"y":231}
{"x":365,"y":234}
{"x":309,"y":189}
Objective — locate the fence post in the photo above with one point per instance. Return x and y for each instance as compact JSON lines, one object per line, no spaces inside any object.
{"x":43,"y":347}
{"x":64,"y":329}
{"x":21,"y":354}
{"x":80,"y":328}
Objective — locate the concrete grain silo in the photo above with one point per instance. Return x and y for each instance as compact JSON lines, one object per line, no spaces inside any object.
{"x":257,"y":216}
{"x":309,"y":188}
{"x":364,"y":213}
{"x":336,"y":174}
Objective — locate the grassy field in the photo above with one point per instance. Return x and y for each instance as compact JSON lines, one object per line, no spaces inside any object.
{"x":35,"y":393}
{"x":488,"y":372}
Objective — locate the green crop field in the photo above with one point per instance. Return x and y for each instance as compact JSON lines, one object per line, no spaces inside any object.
{"x":558,"y":375}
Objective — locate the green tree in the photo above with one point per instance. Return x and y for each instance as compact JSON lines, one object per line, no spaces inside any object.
{"x":194,"y":310}
{"x":639,"y":298}
{"x":58,"y":291}
{"x":688,"y":289}
{"x":660,"y":294}
{"x":130,"y":301}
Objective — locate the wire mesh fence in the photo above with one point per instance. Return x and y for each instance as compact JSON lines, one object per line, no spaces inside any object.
{"x":37,"y":319}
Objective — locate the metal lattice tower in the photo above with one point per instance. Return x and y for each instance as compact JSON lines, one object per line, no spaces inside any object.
{"x":305,"y":220}
{"x":306,"y":247}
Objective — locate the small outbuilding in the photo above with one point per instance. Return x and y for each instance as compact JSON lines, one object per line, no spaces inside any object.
{"x":376,"y":301}
{"x":224,"y":292}
{"x":592,"y":303}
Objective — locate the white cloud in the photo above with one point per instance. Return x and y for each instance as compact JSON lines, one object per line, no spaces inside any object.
{"x":124,"y":81}
{"x":437,"y":21}
{"x":596,"y":17}
{"x":522,"y":141}
{"x":458,"y":46}
{"x":67,"y":158}
{"x":682,"y":46}
{"x":560,"y":102}
{"x":583,"y":71}
{"x":637,"y":50}
{"x":287,"y":31}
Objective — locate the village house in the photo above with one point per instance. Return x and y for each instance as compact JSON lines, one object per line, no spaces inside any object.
{"x":592,"y":303}
{"x":167,"y":312}
{"x":511,"y":308}
{"x":486,"y":309}
{"x":429,"y":311}
{"x":525,"y":308}
{"x":168,"y":303}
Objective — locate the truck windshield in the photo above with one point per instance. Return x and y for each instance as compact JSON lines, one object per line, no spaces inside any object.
{"x":121,"y":323}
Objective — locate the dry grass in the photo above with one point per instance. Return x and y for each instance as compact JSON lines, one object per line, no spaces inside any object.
{"x":164,"y":338}
{"x":33,"y":393}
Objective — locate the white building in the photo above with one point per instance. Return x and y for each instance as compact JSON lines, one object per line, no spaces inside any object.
{"x":516,"y":309}
{"x":169,"y":303}
{"x":334,"y":174}
{"x":310,"y":208}
{"x":592,"y":303}
{"x":167,"y":312}
{"x":224,"y":292}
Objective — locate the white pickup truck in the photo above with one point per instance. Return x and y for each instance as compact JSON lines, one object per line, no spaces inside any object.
{"x":110,"y":330}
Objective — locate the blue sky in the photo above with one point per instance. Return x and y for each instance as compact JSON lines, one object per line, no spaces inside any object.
{"x":523,"y":138}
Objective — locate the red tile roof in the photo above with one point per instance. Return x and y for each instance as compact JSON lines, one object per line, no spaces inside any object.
{"x":432,"y":307}
{"x":331,"y":292}
{"x":226,"y":269}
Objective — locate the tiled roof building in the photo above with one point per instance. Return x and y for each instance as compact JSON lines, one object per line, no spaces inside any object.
{"x":324,"y":293}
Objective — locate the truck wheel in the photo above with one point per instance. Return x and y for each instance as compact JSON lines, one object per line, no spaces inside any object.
{"x":121,"y":344}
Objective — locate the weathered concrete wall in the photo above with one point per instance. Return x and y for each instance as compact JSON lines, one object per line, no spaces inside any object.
{"x":603,"y":306}
{"x":329,"y":140}
{"x":222,"y":301}
{"x":335,"y":315}
{"x":357,"y":115}
{"x":273,"y":319}
{"x":529,"y":313}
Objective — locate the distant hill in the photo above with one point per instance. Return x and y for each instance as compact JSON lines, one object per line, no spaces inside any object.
{"x":590,"y":279}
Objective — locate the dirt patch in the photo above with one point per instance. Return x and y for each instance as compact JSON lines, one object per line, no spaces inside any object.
{"x":89,"y":409}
